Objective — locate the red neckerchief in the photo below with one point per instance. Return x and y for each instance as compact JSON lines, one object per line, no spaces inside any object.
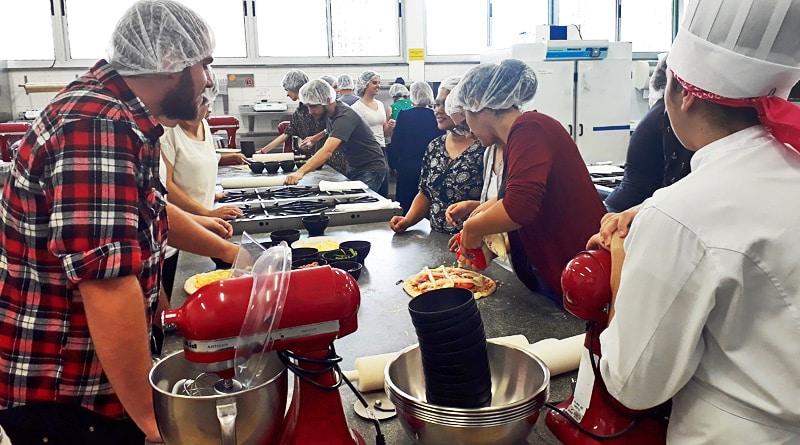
{"x":777,"y":115}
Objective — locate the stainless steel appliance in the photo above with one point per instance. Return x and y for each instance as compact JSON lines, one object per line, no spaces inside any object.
{"x":276,"y":208}
{"x":5,"y":93}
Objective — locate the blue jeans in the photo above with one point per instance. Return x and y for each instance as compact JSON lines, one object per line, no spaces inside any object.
{"x":373,"y":179}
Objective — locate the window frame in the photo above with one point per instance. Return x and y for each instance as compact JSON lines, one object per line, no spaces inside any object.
{"x":250,"y":11}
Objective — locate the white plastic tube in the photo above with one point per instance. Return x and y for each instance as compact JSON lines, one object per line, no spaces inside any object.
{"x":559,"y":355}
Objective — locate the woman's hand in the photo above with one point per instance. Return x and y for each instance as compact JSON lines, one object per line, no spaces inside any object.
{"x":470,"y":240}
{"x":399,"y":224}
{"x":452,"y":243}
{"x":293,"y":178}
{"x":217,"y":226}
{"x":226,"y":212}
{"x":612,"y":223}
{"x":458,"y":211}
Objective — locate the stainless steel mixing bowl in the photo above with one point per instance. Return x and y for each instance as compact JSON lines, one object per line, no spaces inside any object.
{"x":520,"y":387}
{"x":252,"y":414}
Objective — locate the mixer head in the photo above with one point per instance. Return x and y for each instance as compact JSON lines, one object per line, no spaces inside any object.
{"x":321,"y":304}
{"x":586,"y":281}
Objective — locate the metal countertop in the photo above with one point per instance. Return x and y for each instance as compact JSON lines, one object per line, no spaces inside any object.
{"x":384,"y":323}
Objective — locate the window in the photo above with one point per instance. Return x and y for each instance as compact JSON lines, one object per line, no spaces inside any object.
{"x":297,"y":31}
{"x":597,"y":18}
{"x":365,"y":28}
{"x":89,"y":36}
{"x":26,"y":32}
{"x":456,"y":26}
{"x":511,"y":18}
{"x":357,"y":28}
{"x":226,"y":19}
{"x":648,"y":24}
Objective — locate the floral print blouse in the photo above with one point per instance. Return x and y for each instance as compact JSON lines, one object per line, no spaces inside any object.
{"x":446,"y":181}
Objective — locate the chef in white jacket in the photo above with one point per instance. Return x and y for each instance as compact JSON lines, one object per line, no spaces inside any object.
{"x":708,"y":308}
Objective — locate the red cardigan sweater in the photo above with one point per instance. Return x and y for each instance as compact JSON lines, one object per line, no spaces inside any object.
{"x":550,"y":194}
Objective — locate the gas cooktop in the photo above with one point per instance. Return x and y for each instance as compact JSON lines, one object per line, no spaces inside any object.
{"x":266,"y":209}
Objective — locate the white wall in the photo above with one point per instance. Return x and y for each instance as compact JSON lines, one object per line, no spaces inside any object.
{"x":267,"y":81}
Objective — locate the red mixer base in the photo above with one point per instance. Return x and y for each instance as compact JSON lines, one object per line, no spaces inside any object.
{"x":603,"y":420}
{"x":316,"y":417}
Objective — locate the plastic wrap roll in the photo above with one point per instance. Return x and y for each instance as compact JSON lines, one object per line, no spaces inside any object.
{"x":368,"y":375}
{"x":256,"y":181}
{"x":559,"y":355}
{"x":267,"y":157}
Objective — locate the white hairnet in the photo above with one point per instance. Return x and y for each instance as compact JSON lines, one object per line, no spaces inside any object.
{"x":317,"y":92}
{"x":293,"y":80}
{"x":421,"y":94}
{"x":210,"y":94}
{"x":159,"y":36}
{"x":365,"y":77}
{"x":398,"y":89}
{"x":449,"y":83}
{"x":658,"y":81}
{"x":451,"y":105}
{"x":497,"y":86}
{"x":328,"y":78}
{"x":345,"y":82}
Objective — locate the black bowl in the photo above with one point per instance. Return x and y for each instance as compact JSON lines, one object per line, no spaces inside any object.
{"x":221,"y":264}
{"x":351,"y":267}
{"x":298,"y":264}
{"x":440,"y":304}
{"x":272,"y":166}
{"x":316,"y":224}
{"x":361,"y":247}
{"x":304,"y":252}
{"x":288,"y":235}
{"x":268,"y":244}
{"x":287,"y":166}
{"x":334,"y":256}
{"x":256,"y":167}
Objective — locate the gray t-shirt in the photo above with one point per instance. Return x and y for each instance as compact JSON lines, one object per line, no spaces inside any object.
{"x":362,"y":151}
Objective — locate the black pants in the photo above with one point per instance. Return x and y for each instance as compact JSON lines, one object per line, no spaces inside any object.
{"x":63,"y":424}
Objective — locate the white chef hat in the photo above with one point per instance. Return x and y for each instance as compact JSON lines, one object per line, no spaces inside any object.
{"x":739,"y":48}
{"x":743,"y":53}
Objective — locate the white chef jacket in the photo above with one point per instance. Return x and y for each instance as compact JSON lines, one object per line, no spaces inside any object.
{"x":194,"y":163}
{"x":708,"y":309}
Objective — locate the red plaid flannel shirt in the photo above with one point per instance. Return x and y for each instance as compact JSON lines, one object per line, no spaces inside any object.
{"x":84,"y":201}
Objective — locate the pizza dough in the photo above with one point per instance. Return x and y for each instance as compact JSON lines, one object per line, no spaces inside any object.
{"x":444,"y":276}
{"x":197,"y":281}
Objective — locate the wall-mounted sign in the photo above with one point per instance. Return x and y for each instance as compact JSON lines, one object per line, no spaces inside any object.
{"x":241,"y":81}
{"x":416,"y":54}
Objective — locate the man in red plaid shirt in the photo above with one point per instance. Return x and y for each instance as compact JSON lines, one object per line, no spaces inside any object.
{"x":84,"y":226}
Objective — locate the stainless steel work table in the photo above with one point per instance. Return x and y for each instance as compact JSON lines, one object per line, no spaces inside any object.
{"x":384,"y":323}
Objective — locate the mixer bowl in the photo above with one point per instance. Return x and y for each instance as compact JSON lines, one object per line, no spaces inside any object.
{"x":520,"y":387}
{"x":185,"y":419}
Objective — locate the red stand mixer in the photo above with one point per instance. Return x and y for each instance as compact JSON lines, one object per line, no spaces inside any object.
{"x":321,"y":305}
{"x":591,"y":416}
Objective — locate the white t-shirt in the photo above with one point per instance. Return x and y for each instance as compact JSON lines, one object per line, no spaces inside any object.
{"x":194,"y":163}
{"x":708,"y":307}
{"x":374,"y":118}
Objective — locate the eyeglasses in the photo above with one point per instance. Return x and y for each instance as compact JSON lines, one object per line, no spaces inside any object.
{"x":463,"y":127}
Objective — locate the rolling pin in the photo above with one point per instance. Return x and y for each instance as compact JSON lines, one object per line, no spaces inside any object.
{"x":255,"y":181}
{"x":559,"y":355}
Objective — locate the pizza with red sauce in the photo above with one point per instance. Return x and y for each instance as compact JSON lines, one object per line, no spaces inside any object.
{"x":444,"y":276}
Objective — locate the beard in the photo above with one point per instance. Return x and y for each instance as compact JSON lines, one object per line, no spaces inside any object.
{"x":180,"y":102}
